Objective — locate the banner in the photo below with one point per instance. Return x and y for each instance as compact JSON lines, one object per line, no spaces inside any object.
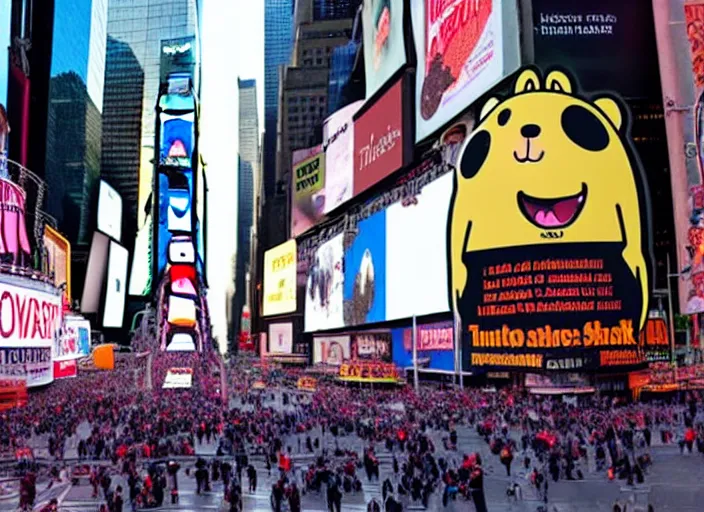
{"x":308,"y":203}
{"x":338,"y":144}
{"x":370,"y":371}
{"x":331,"y":350}
{"x":429,"y":337}
{"x":178,"y":378}
{"x":561,"y":278}
{"x":13,"y":232}
{"x":32,"y":365}
{"x":65,"y":369}
{"x":281,"y":338}
{"x":280,"y":280}
{"x":28,"y":318}
{"x":384,"y":48}
{"x":74,"y":339}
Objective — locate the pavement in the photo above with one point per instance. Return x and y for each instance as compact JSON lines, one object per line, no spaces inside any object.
{"x":673,"y":483}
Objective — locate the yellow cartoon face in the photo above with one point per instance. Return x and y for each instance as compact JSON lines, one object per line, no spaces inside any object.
{"x":545,"y":166}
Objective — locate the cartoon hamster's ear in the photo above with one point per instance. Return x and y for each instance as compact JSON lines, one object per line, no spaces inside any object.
{"x":559,"y":82}
{"x":527,"y":81}
{"x":488,"y":107}
{"x":611,"y":109}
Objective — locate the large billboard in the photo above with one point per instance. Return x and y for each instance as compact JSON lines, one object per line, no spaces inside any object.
{"x":115,"y":286}
{"x":280,"y":280}
{"x":416,"y":266}
{"x":28,"y":317}
{"x":548,"y":269}
{"x":384,"y":46}
{"x":365,"y":273}
{"x":58,"y":251}
{"x":609,"y":45}
{"x":463,"y":50}
{"x":73,"y":341}
{"x":324,"y":287}
{"x":31,"y":364}
{"x":338,"y":144}
{"x":331,"y":350}
{"x":434,"y":346}
{"x":308,"y":184}
{"x":95,"y":273}
{"x":109,"y":211}
{"x":281,"y":338}
{"x":381,"y":138}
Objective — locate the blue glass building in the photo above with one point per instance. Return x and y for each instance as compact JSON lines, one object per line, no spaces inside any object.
{"x":341,"y":66}
{"x":74,"y":120}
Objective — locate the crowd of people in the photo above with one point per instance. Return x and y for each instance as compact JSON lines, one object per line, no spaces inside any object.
{"x":123,"y":432}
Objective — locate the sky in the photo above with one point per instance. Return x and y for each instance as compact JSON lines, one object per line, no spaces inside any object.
{"x":232,"y":47}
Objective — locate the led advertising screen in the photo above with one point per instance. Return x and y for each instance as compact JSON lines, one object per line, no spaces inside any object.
{"x":435,"y":346}
{"x":178,"y":378}
{"x":331,"y":350}
{"x":115,"y":286}
{"x":416,"y":265}
{"x":140,"y":277}
{"x":379,"y":140}
{"x":372,"y":345}
{"x":610,"y":45}
{"x":324,"y":287}
{"x":561,"y":279}
{"x":280,"y":280}
{"x":463,"y":50}
{"x":384,"y":47}
{"x":308,"y":182}
{"x":30,"y":364}
{"x":338,"y":145}
{"x":109,"y":211}
{"x":281,"y":338}
{"x":365,"y":273}
{"x":65,"y":369}
{"x":177,"y":139}
{"x":73,"y":341}
{"x":29,"y":317}
{"x":174,"y":209}
{"x":95,"y":273}
{"x":58,"y":252}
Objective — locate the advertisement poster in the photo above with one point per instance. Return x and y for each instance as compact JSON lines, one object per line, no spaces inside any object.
{"x":109,"y":211}
{"x":460,"y":52}
{"x":692,"y":252}
{"x":331,"y":350}
{"x":115,"y":286}
{"x":74,"y":339}
{"x":58,"y":259}
{"x":308,"y":181}
{"x":435,"y":346}
{"x":609,"y":45}
{"x":655,"y":340}
{"x":365,"y":273}
{"x":379,"y":140}
{"x":561,"y":279}
{"x":370,"y":371}
{"x":279,"y":295}
{"x":374,"y":345}
{"x":384,"y":49}
{"x":338,"y":145}
{"x":65,"y":369}
{"x":416,"y":271}
{"x":32,"y":365}
{"x":281,"y":338}
{"x":324,"y":287}
{"x":28,"y":318}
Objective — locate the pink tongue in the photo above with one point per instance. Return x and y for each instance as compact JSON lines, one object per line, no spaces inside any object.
{"x":547,"y":219}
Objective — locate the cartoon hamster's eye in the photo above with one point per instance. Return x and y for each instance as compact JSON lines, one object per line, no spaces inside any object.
{"x":475,"y":154}
{"x":504,"y":116}
{"x":584,"y":128}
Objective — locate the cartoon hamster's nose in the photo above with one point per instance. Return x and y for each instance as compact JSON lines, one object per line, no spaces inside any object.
{"x":530,"y":131}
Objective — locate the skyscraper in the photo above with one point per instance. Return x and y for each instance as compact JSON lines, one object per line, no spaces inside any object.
{"x":74,"y":124}
{"x":144,"y":28}
{"x":247,"y":177}
{"x":278,"y":20}
{"x":308,"y":11}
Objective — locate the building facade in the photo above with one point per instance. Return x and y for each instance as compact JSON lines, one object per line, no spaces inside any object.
{"x":74,"y":120}
{"x":139,"y":30}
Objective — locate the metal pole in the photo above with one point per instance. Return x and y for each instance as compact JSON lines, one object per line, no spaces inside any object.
{"x":455,"y":330}
{"x":671,"y":315}
{"x":415,"y":355}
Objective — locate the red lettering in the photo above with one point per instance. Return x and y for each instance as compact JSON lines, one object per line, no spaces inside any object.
{"x":7,"y":333}
{"x":46,"y":313}
{"x":20,"y":308}
{"x":36,"y":315}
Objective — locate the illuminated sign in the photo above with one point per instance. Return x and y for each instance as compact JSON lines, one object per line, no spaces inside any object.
{"x":280,"y":279}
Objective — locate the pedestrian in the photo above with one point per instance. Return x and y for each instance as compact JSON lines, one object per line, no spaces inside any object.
{"x":252,"y":477}
{"x":117,"y":501}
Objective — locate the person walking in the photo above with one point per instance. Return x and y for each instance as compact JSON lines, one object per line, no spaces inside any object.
{"x":252,"y":477}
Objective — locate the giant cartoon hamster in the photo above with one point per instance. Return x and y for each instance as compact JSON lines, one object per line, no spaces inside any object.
{"x":548,"y":173}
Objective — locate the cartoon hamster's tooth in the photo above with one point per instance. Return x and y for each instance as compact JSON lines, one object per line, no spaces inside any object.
{"x":547,"y":218}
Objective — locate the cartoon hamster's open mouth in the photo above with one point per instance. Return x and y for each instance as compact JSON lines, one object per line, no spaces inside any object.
{"x":552,"y":213}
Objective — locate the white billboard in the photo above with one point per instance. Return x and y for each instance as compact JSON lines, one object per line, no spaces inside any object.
{"x":109,"y":211}
{"x":281,"y":338}
{"x":116,"y":286}
{"x":28,"y":317}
